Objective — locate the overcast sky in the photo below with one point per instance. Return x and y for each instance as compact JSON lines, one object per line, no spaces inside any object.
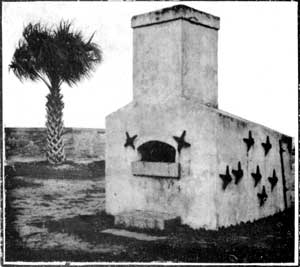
{"x":257,"y":60}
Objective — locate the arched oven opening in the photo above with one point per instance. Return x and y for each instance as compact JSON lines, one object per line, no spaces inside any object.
{"x":156,"y":151}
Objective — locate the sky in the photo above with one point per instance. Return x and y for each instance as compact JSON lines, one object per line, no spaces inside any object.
{"x":257,"y":61}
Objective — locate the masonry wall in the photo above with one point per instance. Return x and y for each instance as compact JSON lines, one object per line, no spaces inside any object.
{"x":192,"y":195}
{"x":30,"y":143}
{"x":198,"y":196}
{"x":239,"y":202}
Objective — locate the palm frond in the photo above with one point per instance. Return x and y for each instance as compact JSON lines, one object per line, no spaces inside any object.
{"x":27,"y":62}
{"x":23,"y":64}
{"x":59,"y":53}
{"x":81,"y":56}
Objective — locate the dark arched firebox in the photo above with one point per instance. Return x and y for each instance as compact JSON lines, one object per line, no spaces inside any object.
{"x":156,"y":151}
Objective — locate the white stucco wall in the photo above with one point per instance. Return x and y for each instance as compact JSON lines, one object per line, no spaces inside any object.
{"x":200,"y":63}
{"x":192,"y":196}
{"x":216,"y":140}
{"x":239,"y":203}
{"x":175,"y":57}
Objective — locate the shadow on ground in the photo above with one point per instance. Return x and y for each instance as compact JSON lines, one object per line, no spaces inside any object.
{"x":62,"y":219}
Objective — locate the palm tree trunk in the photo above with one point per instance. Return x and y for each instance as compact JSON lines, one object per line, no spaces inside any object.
{"x":54,"y":124}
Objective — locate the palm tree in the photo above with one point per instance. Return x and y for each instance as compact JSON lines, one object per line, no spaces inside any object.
{"x":54,"y":55}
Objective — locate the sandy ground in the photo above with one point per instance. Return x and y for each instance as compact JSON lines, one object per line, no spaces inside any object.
{"x":63,"y":220}
{"x":44,"y":200}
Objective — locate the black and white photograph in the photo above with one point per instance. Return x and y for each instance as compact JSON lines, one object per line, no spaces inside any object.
{"x":149,"y":132}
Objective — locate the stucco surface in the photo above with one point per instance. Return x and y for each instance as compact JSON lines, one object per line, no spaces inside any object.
{"x":199,"y":63}
{"x":216,"y":140}
{"x":239,"y":202}
{"x":173,"y":59}
{"x":187,"y":197}
{"x":157,"y":62}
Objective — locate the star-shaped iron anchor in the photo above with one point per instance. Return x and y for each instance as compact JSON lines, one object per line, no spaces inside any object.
{"x":273,"y":180}
{"x":130,"y":140}
{"x":238,"y":174}
{"x":262,"y":196}
{"x":267,"y":146}
{"x":256,"y":176}
{"x":226,"y":178}
{"x":249,"y":141}
{"x":181,"y":143}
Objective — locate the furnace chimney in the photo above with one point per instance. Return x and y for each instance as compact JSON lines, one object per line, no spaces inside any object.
{"x":175,"y":55}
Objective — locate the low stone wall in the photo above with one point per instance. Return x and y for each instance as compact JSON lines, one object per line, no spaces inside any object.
{"x":30,"y":143}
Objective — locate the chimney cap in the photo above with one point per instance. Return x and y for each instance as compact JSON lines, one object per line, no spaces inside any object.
{"x":174,"y":13}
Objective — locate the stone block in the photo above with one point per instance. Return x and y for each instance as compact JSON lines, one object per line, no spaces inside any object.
{"x":156,"y":169}
{"x":146,"y":220}
{"x":128,"y":234}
